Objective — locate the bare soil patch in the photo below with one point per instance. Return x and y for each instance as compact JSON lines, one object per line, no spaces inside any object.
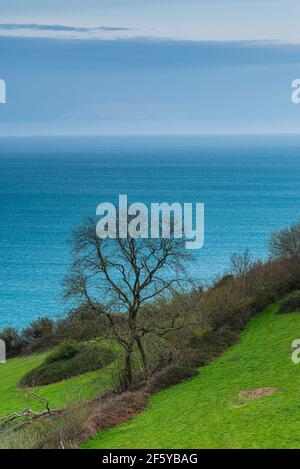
{"x":245,"y":396}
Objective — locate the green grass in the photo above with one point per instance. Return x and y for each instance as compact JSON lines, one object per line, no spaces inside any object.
{"x":203,"y":412}
{"x":13,"y":398}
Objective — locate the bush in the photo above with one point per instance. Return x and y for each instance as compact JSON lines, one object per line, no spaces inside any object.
{"x":38,"y":328}
{"x":57,"y":431}
{"x":114,"y":411}
{"x":66,"y":350}
{"x":290,"y":305}
{"x":82,"y":323}
{"x":169,"y":377}
{"x":205,"y":349}
{"x":68,"y":360}
{"x":64,"y":430}
{"x":39,"y":336}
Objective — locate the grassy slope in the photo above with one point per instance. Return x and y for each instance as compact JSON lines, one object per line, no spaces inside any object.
{"x":59,"y":394}
{"x":202,"y":413}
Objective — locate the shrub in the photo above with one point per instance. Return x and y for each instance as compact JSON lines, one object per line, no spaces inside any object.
{"x":66,"y":361}
{"x":82,"y":323}
{"x":38,"y":328}
{"x":67,"y":349}
{"x":169,"y":377}
{"x":64,"y":431}
{"x":203,"y":350}
{"x":290,"y":305}
{"x":56,"y":431}
{"x":39,"y":336}
{"x":115,"y":411}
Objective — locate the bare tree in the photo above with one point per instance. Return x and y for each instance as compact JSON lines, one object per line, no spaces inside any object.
{"x":119,"y":277}
{"x":286,"y":243}
{"x":241,"y":263}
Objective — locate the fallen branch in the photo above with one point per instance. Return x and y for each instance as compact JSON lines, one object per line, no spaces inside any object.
{"x":28,"y":413}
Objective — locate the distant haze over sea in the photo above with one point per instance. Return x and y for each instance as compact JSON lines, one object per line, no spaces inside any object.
{"x":250,"y":186}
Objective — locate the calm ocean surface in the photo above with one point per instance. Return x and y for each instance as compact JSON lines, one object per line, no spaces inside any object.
{"x":250,"y":186}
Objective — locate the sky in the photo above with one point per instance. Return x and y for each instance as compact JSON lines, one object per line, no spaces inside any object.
{"x":157,"y":66}
{"x":189,"y":19}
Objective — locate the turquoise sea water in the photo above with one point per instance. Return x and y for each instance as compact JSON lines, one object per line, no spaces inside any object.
{"x":250,"y":187}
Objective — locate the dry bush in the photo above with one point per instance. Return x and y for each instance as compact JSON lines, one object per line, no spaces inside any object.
{"x":64,"y":432}
{"x":57,"y":431}
{"x":114,"y":411}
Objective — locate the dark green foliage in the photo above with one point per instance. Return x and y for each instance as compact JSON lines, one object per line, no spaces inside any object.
{"x":169,"y":377}
{"x":67,"y":360}
{"x":43,"y":334}
{"x":66,"y":350}
{"x":80,"y":324}
{"x":203,"y":350}
{"x":38,"y":328}
{"x":39,"y":336}
{"x":290,"y":305}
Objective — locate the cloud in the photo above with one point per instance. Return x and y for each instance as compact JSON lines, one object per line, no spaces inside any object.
{"x":115,"y":28}
{"x":60,"y":28}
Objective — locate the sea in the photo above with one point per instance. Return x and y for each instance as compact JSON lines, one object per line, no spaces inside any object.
{"x":250,"y":185}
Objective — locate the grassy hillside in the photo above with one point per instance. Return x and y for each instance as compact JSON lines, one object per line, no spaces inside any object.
{"x":209,"y":412}
{"x":59,"y":394}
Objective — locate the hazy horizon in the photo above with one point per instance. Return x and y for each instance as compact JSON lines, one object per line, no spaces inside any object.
{"x":123,"y":68}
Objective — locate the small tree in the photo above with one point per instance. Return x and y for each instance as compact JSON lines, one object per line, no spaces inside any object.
{"x":41,"y":327}
{"x":118,"y":277}
{"x":241,"y":263}
{"x":286,"y":243}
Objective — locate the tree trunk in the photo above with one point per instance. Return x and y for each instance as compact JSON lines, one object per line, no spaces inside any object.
{"x":128,"y":375}
{"x":143,"y":356}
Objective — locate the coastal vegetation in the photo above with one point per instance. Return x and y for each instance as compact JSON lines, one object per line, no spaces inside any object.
{"x":247,"y":398}
{"x":151,"y":328}
{"x":67,"y":360}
